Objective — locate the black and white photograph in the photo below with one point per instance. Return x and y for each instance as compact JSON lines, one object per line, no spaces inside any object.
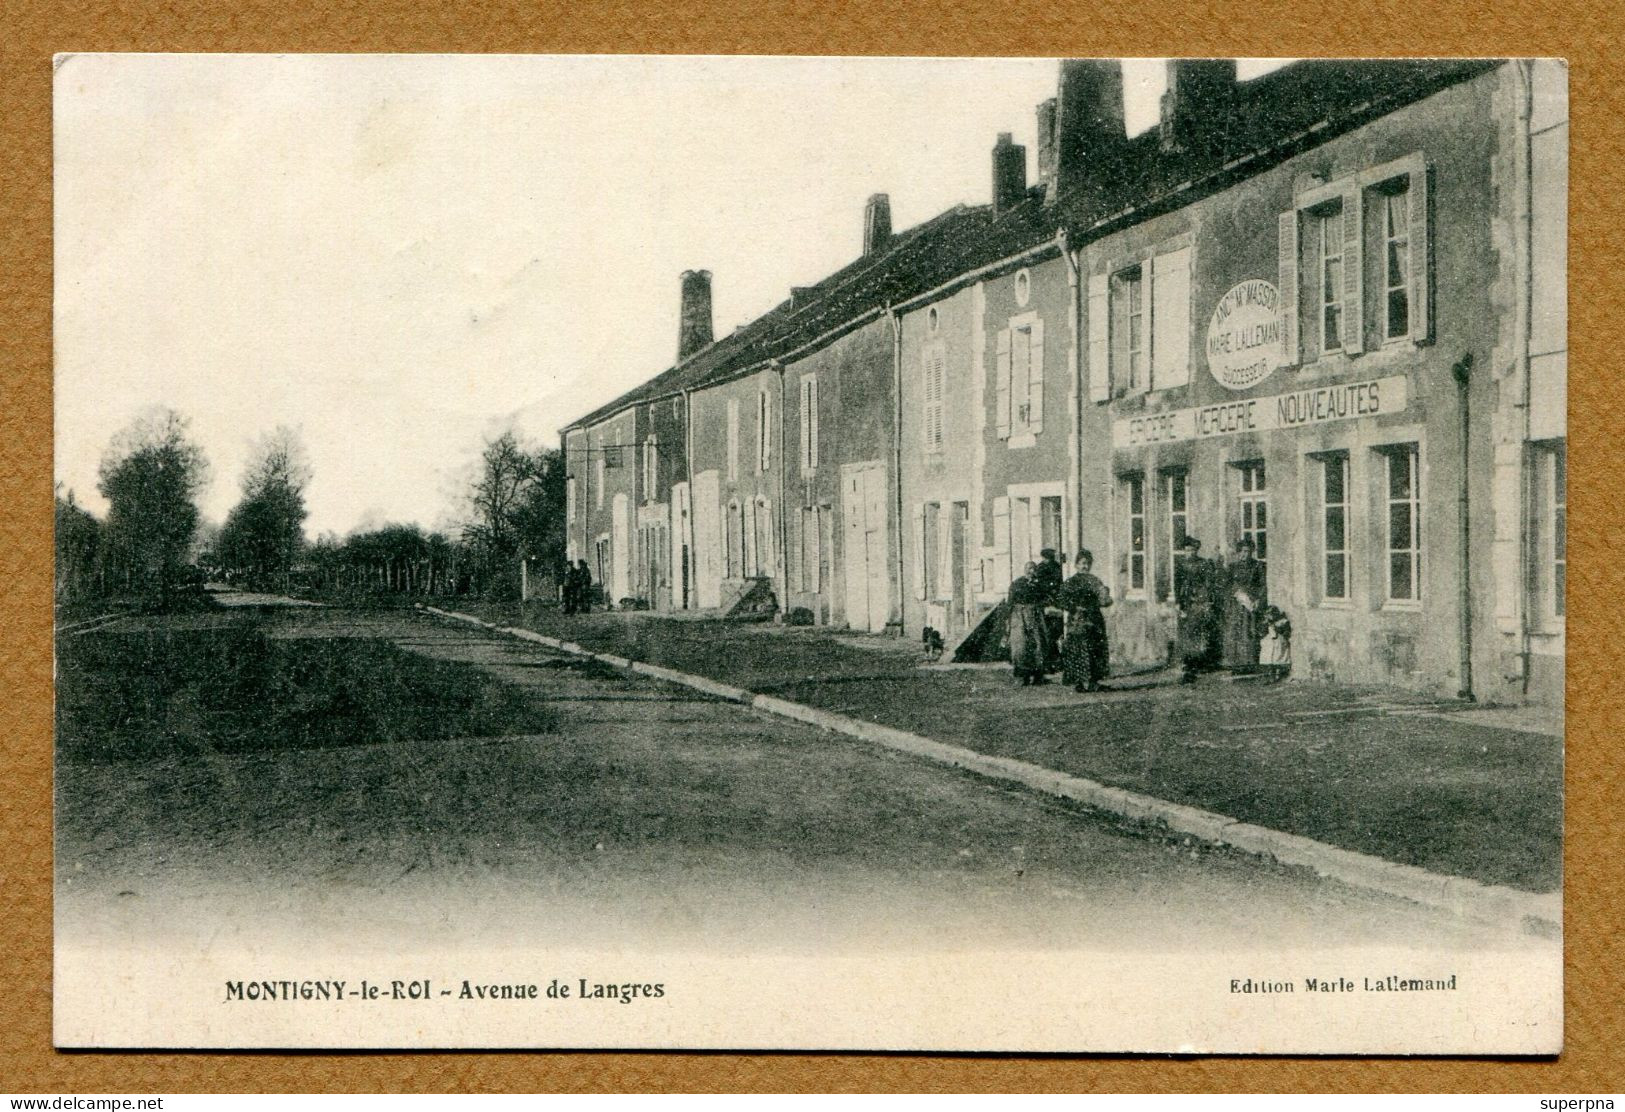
{"x":810,"y":553}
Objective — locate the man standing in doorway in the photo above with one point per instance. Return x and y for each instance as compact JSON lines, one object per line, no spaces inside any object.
{"x":1049,"y":578}
{"x":1194,"y":595}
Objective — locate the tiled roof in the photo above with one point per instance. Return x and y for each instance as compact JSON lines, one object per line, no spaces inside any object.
{"x":1272,"y":118}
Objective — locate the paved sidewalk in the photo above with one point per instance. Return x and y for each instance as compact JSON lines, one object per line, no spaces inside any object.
{"x":1414,"y":780}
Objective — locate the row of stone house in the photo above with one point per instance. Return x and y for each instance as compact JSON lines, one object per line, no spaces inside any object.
{"x":1323,"y":309}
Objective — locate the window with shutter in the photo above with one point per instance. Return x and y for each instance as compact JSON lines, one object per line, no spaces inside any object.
{"x":1001,"y":376}
{"x":764,"y":438}
{"x":1171,"y":319}
{"x":733,"y":439}
{"x":917,"y":554}
{"x":1100,"y":382}
{"x":1001,"y":544}
{"x":812,"y":431}
{"x":1421,"y":261}
{"x":932,"y":361}
{"x":1353,"y":272}
{"x":1035,"y":377}
{"x":1287,"y":273}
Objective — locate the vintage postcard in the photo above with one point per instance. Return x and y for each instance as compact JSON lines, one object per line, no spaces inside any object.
{"x":829,"y":553}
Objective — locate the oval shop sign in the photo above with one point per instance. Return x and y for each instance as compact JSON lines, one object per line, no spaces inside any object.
{"x":1244,"y":336}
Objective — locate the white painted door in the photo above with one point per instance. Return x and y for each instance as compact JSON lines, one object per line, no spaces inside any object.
{"x":707,"y":555}
{"x":863,"y":571}
{"x":620,"y":549}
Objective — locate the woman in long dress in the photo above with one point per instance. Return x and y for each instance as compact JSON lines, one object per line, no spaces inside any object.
{"x":1085,"y":656}
{"x":1028,"y":632}
{"x":1244,"y":595}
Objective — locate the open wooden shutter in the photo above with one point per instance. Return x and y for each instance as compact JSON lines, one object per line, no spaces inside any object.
{"x":1001,"y":376}
{"x":945,"y":551}
{"x":1353,"y":271}
{"x":916,"y":564}
{"x":1421,"y":260}
{"x":1035,"y":377}
{"x":1100,"y":378}
{"x":1287,"y":266}
{"x":1171,"y":319}
{"x":1147,"y":320}
{"x":1001,"y":544}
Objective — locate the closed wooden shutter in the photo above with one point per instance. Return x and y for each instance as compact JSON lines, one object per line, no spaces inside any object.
{"x":1001,"y":375}
{"x":1001,"y":544}
{"x":1171,"y":319}
{"x":1100,"y":378}
{"x":1287,"y":267}
{"x":812,"y":408}
{"x":916,"y":564}
{"x":1353,"y":271}
{"x":1421,"y":260}
{"x":1035,"y":377}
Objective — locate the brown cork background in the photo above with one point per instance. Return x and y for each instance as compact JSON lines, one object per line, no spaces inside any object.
{"x":1585,"y":33}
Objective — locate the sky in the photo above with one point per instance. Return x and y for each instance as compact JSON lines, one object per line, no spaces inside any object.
{"x":399,"y":256}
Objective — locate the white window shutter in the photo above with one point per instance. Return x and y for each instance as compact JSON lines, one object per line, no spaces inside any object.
{"x":1148,"y":319}
{"x":812,"y":433}
{"x":1001,"y":376}
{"x":1001,"y":543}
{"x":1171,"y":318}
{"x":1100,"y":378}
{"x":1287,"y":264}
{"x":1353,"y":271}
{"x":939,"y":391}
{"x":815,"y":551}
{"x":916,"y":566}
{"x":1035,"y":377}
{"x":1421,"y":259}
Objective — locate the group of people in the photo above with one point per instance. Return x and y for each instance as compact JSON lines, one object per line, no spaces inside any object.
{"x":1057,"y":623}
{"x":1042,"y":641}
{"x":576,"y":588}
{"x":1225,"y":620}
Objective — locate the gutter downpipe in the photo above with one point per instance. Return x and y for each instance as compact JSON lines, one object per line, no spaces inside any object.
{"x":1075,"y":468}
{"x":1526,"y":305}
{"x":691,"y":584}
{"x":897,"y":458}
{"x":783,"y":562}
{"x":1462,"y":372}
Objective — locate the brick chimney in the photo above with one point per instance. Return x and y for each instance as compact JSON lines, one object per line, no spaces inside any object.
{"x":1009,"y":174}
{"x":1197,"y":106}
{"x":1046,"y":145}
{"x":1089,"y":134}
{"x":694,"y":315}
{"x":876,"y":224}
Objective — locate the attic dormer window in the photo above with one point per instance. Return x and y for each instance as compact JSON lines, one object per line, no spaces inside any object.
{"x":1024,"y":288}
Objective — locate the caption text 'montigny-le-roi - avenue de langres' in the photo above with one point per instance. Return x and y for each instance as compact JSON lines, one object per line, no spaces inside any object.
{"x":1321,"y":312}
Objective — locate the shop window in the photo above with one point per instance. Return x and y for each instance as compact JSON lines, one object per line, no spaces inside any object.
{"x":1402,"y":523}
{"x":1176,"y":524}
{"x":1253,"y":503}
{"x":1334,"y":528}
{"x":1138,"y":548}
{"x":1049,"y":522}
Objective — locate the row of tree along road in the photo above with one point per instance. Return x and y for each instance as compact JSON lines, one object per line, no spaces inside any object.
{"x":153,"y":547}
